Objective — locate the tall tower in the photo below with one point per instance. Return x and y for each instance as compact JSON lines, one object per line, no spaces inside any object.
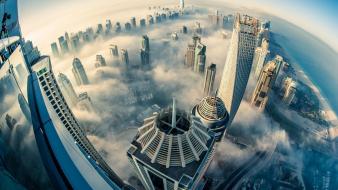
{"x":181,"y":4}
{"x":209,"y":80}
{"x":55,"y":49}
{"x":260,"y":57}
{"x":145,"y":51}
{"x":100,"y":61}
{"x":265,"y":83}
{"x":114,"y":50}
{"x":124,"y":57}
{"x":200,"y":58}
{"x":67,"y":89}
{"x":172,"y":150}
{"x":79,"y":72}
{"x":213,"y":114}
{"x":290,"y":88}
{"x":85,"y":102}
{"x":238,"y":64}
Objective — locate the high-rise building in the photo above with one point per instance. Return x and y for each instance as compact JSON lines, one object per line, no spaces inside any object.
{"x":260,"y":57}
{"x":209,"y":80}
{"x":114,"y":50}
{"x":198,"y":28}
{"x":265,"y":82}
{"x":55,"y":49}
{"x":63,"y":45}
{"x":75,"y":43}
{"x":143,"y":22}
{"x":196,"y":39}
{"x":127,"y":26}
{"x":67,"y":37}
{"x":79,"y":72}
{"x":181,"y":4}
{"x":100,"y":61}
{"x":216,"y":19}
{"x":124,"y":57}
{"x":174,"y":36}
{"x":238,"y":63}
{"x":145,"y":51}
{"x":117,"y":27}
{"x":190,"y":56}
{"x":99,"y":29}
{"x":30,"y":52}
{"x":133,"y":22}
{"x":212,"y":113}
{"x":278,"y":79}
{"x":150,"y":19}
{"x":172,"y":150}
{"x":200,"y":58}
{"x":290,"y":89}
{"x":66,"y":151}
{"x":145,"y":43}
{"x":85,"y":102}
{"x":109,"y":26}
{"x":184,"y":29}
{"x":67,"y":89}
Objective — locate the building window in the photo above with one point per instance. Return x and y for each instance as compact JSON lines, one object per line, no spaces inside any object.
{"x":156,"y":180}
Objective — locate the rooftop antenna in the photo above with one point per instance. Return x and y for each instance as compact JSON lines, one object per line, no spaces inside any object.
{"x":173,"y":116}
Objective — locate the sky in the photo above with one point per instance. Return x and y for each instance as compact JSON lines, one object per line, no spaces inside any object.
{"x":314,"y":16}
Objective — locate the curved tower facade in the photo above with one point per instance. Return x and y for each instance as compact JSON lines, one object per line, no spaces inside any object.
{"x":79,"y":72}
{"x":238,"y":64}
{"x":212,"y":112}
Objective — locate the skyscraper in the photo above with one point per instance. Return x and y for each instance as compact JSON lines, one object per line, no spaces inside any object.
{"x":79,"y":72}
{"x":100,"y":61}
{"x":75,"y":43}
{"x":260,"y":57}
{"x":238,"y":64}
{"x":67,"y":89}
{"x":55,"y":49}
{"x":209,"y":80}
{"x":145,"y":51}
{"x":143,"y":22}
{"x":190,"y":56}
{"x":200,"y":58}
{"x":124,"y":57}
{"x":127,"y":26}
{"x":133,"y":22}
{"x":265,"y":83}
{"x":150,"y":19}
{"x":172,"y":150}
{"x":181,"y":4}
{"x":85,"y":103}
{"x":114,"y":50}
{"x":109,"y":26}
{"x":212,"y":112}
{"x":290,"y":88}
{"x":117,"y":27}
{"x":63,"y":45}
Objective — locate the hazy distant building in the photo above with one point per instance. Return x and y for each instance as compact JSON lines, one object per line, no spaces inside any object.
{"x":63,"y":45}
{"x":216,"y":19}
{"x":145,"y":51}
{"x":238,"y":63}
{"x":260,"y":57}
{"x":196,"y":39}
{"x":79,"y":72}
{"x":172,"y":150}
{"x":290,"y":88}
{"x":55,"y":49}
{"x":85,"y":103}
{"x":30,"y":52}
{"x":124,"y":57}
{"x":109,"y":26}
{"x":184,"y":29}
{"x":114,"y":50}
{"x":150,"y":19}
{"x":200,"y":58}
{"x":67,"y":89}
{"x":117,"y":27}
{"x":181,"y":4}
{"x":209,"y":80}
{"x":100,"y":61}
{"x":75,"y":43}
{"x":265,"y":83}
{"x":213,"y":114}
{"x":127,"y":26}
{"x":174,"y":36}
{"x":280,"y":75}
{"x":99,"y":29}
{"x":133,"y":22}
{"x":198,"y":28}
{"x":143,"y":22}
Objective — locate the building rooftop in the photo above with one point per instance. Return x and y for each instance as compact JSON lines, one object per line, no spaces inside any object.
{"x":212,"y":108}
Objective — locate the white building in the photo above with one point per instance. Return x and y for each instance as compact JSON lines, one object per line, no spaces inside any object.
{"x":67,"y":89}
{"x":238,"y":64}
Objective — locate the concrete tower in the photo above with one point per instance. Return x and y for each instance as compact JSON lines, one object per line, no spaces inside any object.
{"x":209,"y":80}
{"x":79,"y":72}
{"x":238,"y":64}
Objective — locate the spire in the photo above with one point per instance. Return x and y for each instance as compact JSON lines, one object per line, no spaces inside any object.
{"x":173,"y":117}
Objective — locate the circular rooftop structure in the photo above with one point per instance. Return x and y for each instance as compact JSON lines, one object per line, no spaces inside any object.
{"x":173,"y":138}
{"x":212,"y":108}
